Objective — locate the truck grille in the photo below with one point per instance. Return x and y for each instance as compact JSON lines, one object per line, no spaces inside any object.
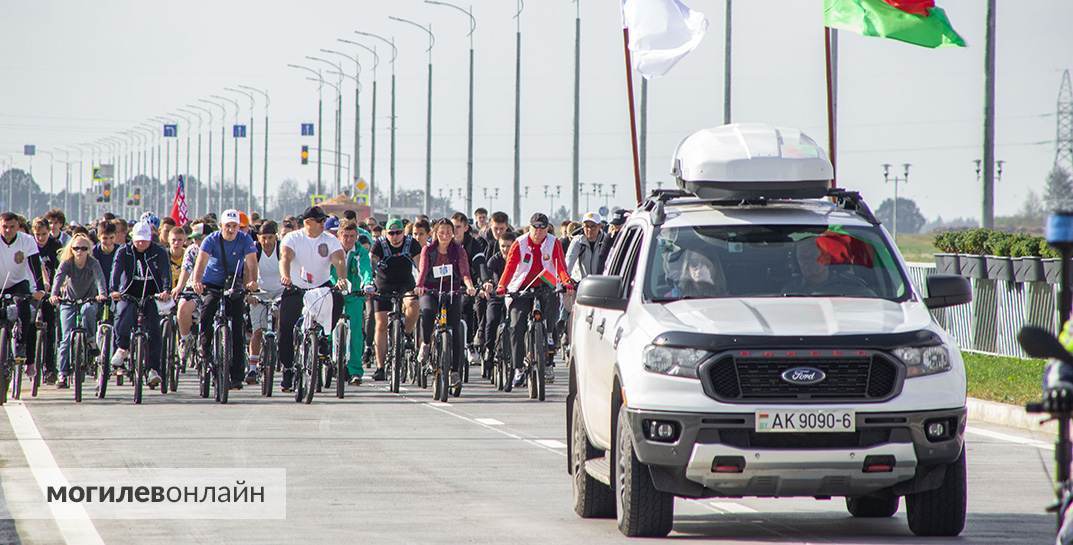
{"x":852,"y":376}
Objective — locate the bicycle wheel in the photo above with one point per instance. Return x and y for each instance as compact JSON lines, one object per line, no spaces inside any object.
{"x":137,"y":349}
{"x":537,"y":351}
{"x":39,"y":364}
{"x":312,"y":366}
{"x":446,"y":355}
{"x":204,"y":377}
{"x":506,"y":362}
{"x":268,"y":364}
{"x":5,"y":362}
{"x":222,"y":363}
{"x":78,"y":364}
{"x":342,"y":341}
{"x":167,"y":364}
{"x":172,"y":374}
{"x":395,"y":360}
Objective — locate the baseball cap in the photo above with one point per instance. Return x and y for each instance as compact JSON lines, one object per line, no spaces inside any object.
{"x":314,"y":213}
{"x":395,"y":225}
{"x":539,"y":220}
{"x":142,"y":231}
{"x":618,"y":217}
{"x":332,"y":223}
{"x":230,"y":216}
{"x":151,"y":219}
{"x":592,"y":217}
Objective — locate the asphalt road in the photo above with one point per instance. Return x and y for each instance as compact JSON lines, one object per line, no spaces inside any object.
{"x":486,"y":468}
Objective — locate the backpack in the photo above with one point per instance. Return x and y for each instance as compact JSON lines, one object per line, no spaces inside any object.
{"x":385,"y":248}
{"x":260,"y":250}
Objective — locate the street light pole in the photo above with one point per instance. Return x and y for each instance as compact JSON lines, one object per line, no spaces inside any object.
{"x":896,"y":180}
{"x":469,"y":148}
{"x":320,"y":119}
{"x":207,"y":185}
{"x":394,"y":57}
{"x":234,"y":185}
{"x":223,"y":151}
{"x":197,"y":188}
{"x":338,"y":120}
{"x":264,"y":186}
{"x":372,"y":122}
{"x":518,"y":113}
{"x":249,"y":194}
{"x":357,"y":111}
{"x":428,"y":119}
{"x":187,"y":130}
{"x":576,"y":187}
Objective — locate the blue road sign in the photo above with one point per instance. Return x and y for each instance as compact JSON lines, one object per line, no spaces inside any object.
{"x":307,"y":129}
{"x":603,"y":211}
{"x":171,"y":131}
{"x":29,"y":149}
{"x":240,"y":131}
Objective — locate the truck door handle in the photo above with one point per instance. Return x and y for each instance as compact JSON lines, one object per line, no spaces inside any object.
{"x":618,"y":336}
{"x":588,"y":319}
{"x":600,"y":328}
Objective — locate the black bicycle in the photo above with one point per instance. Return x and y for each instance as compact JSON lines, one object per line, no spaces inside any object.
{"x":139,"y":344}
{"x":169,"y":352}
{"x":104,"y":345}
{"x":218,"y":370}
{"x":269,"y":344}
{"x":337,"y":371}
{"x":11,"y":363}
{"x":400,"y":354}
{"x":78,"y":347}
{"x":442,"y":350}
{"x":537,"y":356}
{"x":308,"y":359}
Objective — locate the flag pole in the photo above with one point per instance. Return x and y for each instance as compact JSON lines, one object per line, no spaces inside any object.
{"x":633,"y":114}
{"x":830,"y":43}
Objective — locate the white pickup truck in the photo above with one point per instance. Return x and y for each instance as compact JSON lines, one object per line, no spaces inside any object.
{"x":755,"y":334}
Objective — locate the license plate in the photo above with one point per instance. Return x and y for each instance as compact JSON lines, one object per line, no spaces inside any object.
{"x":798,"y":421}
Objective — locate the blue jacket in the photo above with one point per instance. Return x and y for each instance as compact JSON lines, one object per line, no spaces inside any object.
{"x":123,"y":268}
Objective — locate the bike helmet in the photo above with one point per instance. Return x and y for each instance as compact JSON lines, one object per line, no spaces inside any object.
{"x":151,"y":219}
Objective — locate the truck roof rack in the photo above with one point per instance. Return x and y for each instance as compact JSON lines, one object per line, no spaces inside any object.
{"x":656,"y":202}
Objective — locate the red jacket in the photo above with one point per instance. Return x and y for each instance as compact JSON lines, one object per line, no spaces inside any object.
{"x":527,"y":272}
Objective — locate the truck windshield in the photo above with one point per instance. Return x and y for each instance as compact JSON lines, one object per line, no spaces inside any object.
{"x":773,"y":261}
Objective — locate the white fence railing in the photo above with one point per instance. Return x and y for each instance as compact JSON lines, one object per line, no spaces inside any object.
{"x":998,"y":311}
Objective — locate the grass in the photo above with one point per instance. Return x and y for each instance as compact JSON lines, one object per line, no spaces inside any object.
{"x":917,"y":247}
{"x":1005,"y":380}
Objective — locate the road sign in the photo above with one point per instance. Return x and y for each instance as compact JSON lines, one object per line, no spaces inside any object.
{"x":603,"y":211}
{"x":107,"y":171}
{"x":29,"y":149}
{"x":361,"y":191}
{"x":171,"y":131}
{"x":240,"y":131}
{"x":307,"y":129}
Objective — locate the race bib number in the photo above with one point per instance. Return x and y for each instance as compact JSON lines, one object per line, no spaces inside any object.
{"x":442,"y":271}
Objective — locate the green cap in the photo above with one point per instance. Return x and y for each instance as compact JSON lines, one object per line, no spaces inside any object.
{"x":395,"y":224}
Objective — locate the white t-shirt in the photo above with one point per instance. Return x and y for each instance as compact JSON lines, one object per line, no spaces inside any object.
{"x":268,"y":271}
{"x":15,"y":260}
{"x":312,"y":264}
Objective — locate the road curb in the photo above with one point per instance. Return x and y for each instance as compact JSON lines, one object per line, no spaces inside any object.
{"x":1007,"y":415}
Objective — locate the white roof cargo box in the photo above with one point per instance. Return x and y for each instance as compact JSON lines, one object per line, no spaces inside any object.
{"x":751,"y":160}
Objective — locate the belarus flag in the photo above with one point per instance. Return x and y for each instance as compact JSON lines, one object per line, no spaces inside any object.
{"x":919,"y":22}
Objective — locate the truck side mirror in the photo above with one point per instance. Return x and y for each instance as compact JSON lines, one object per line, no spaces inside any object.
{"x":947,"y":290}
{"x":601,"y":291}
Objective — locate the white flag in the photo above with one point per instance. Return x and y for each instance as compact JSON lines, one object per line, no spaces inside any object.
{"x":662,"y":32}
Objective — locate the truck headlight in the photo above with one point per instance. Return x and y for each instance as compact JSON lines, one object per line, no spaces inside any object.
{"x":922,"y":361}
{"x":676,"y":362}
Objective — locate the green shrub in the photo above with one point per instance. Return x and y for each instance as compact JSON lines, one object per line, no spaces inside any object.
{"x":1024,"y":246}
{"x":999,"y":243}
{"x":946,"y":242}
{"x":1047,"y":251}
{"x":972,"y":241}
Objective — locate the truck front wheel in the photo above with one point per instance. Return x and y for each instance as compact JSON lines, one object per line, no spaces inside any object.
{"x":642,"y":511}
{"x":940,"y":512}
{"x":592,"y":498}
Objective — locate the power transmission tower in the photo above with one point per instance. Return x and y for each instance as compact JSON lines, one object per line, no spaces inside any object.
{"x":1063,"y":155}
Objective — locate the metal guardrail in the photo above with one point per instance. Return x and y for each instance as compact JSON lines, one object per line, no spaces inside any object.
{"x":998,"y":311}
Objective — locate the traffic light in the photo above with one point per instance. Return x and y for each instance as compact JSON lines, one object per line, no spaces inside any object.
{"x":106,"y":193}
{"x":135,"y":198}
{"x":305,"y":155}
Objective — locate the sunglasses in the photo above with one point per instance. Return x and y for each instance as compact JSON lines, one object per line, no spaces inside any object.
{"x":394,"y":233}
{"x":539,"y":226}
{"x":80,"y":249}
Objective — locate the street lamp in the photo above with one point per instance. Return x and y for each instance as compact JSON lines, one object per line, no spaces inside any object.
{"x":469,"y":149}
{"x":886,"y":179}
{"x":357,"y":109}
{"x":249,"y":194}
{"x":372,"y":129}
{"x":200,"y":182}
{"x":264,"y":186}
{"x":394,"y":56}
{"x":223,"y":151}
{"x":165,"y":162}
{"x":320,"y":118}
{"x":518,"y":111}
{"x":234,"y":186}
{"x":576,"y":186}
{"x":428,"y":127}
{"x":338,"y":118}
{"x":207,"y":184}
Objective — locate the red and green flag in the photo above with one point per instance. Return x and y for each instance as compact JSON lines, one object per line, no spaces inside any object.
{"x":918,"y":22}
{"x":547,"y":277}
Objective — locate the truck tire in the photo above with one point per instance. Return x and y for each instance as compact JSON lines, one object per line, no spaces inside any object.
{"x":872,"y":507}
{"x":940,"y":512}
{"x":641,"y":510}
{"x":592,"y":498}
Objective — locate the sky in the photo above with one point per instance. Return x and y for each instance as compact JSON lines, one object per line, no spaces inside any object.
{"x":73,"y":72}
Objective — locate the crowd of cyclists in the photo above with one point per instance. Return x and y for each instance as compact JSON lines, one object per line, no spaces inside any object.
{"x":479,"y":272}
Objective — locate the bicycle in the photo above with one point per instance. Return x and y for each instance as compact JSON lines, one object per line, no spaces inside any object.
{"x":41,"y":357}
{"x":218,"y":370}
{"x":139,"y":344}
{"x":11,"y":363}
{"x":535,"y":362}
{"x":169,"y":379}
{"x":269,"y":347}
{"x":104,"y":344}
{"x":308,"y":359}
{"x":501,"y":365}
{"x":79,"y":344}
{"x":339,"y":356}
{"x":399,"y":356}
{"x":442,"y":350}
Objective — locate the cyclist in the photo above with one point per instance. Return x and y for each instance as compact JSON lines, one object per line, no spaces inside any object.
{"x":475,"y":250}
{"x":269,"y":280}
{"x":79,"y":277}
{"x":140,"y":267}
{"x":498,"y":225}
{"x":57,"y":220}
{"x":226,"y":256}
{"x":48,"y":248}
{"x":20,"y":268}
{"x":177,"y":240}
{"x":537,"y":257}
{"x":422,"y":232}
{"x":393,"y":257}
{"x":188,"y":306}
{"x":104,"y":251}
{"x":495,"y":309}
{"x":480,"y":220}
{"x":359,"y":273}
{"x":306,"y":257}
{"x":444,"y":266}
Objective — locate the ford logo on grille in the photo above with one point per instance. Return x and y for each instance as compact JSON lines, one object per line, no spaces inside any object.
{"x":804,"y":376}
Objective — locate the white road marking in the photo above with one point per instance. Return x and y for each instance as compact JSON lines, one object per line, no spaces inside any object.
{"x":1010,"y":438}
{"x":442,"y":407}
{"x":551,"y":443}
{"x":488,"y":421}
{"x":75,"y":525}
{"x":731,"y":507}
